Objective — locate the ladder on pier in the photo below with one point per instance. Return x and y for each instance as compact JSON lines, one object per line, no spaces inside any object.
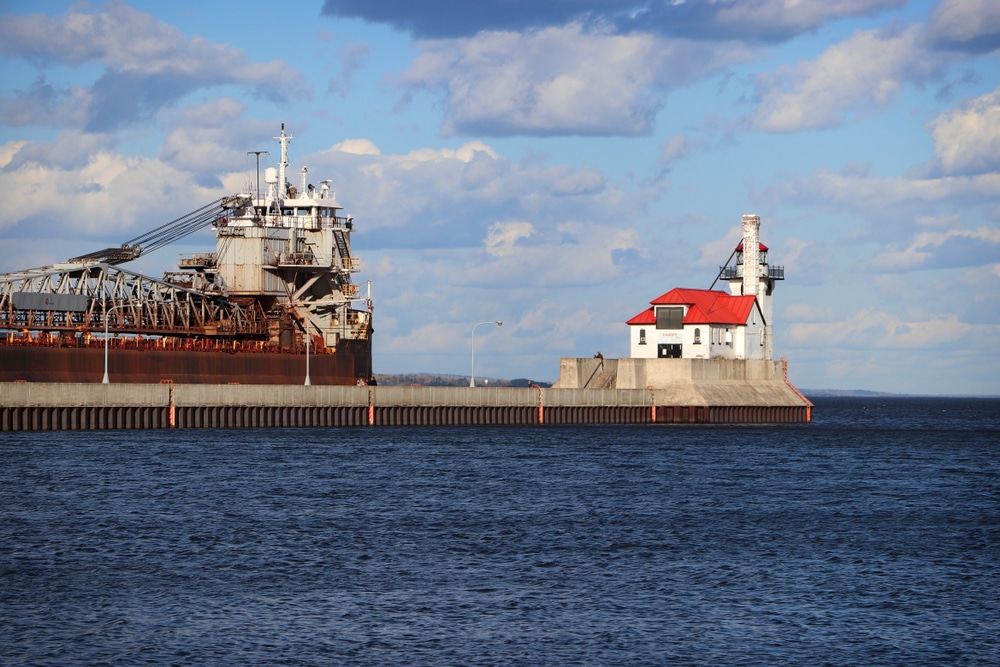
{"x":604,"y":380}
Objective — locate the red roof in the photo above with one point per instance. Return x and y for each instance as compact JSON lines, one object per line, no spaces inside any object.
{"x":704,"y":307}
{"x":647,"y":316}
{"x":762,"y":247}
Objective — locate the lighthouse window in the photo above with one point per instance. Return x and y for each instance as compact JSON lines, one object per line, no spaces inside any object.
{"x":670,"y":317}
{"x":697,"y":336}
{"x":642,"y":336}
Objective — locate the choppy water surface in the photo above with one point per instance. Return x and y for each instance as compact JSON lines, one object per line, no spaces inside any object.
{"x":871,"y":536}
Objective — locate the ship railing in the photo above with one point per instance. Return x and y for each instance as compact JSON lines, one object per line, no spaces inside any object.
{"x":351,"y":264}
{"x":198,"y":260}
{"x":291,"y":221}
{"x":293,"y":259}
{"x":311,"y":222}
{"x":336,"y":222}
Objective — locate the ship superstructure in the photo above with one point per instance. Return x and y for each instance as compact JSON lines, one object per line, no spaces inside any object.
{"x":289,"y":249}
{"x":273,"y":302}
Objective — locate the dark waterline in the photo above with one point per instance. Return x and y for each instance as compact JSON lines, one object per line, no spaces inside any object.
{"x":870,"y":537}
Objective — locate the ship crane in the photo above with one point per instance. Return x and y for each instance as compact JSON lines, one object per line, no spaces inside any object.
{"x":144,"y":244}
{"x":139,"y":304}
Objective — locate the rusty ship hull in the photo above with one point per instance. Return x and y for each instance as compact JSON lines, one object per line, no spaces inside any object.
{"x":134,"y":363}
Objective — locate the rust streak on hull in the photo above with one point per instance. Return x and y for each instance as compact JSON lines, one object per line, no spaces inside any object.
{"x":86,"y":364}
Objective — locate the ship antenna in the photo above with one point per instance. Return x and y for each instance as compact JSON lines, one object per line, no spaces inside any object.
{"x":257,"y":153}
{"x":283,"y":140}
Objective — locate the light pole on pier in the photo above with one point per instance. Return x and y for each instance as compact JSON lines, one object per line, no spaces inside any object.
{"x":107,"y":316}
{"x":308,"y":382}
{"x":472,"y":377}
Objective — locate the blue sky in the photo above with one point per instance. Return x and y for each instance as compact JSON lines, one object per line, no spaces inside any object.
{"x":555,"y":165}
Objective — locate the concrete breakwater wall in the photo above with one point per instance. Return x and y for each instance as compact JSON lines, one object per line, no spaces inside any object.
{"x":26,"y":406}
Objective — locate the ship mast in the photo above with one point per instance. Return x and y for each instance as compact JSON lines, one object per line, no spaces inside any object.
{"x":283,"y":140}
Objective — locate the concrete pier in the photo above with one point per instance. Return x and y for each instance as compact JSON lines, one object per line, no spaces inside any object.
{"x":29,"y":406}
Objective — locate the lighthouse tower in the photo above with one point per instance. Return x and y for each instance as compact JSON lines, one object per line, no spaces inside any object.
{"x":753,"y":275}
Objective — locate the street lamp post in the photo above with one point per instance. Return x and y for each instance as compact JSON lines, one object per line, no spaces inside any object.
{"x":107,"y":316}
{"x":308,"y":382}
{"x":472,"y":377}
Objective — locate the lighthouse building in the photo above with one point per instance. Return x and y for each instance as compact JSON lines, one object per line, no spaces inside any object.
{"x":713,"y":324}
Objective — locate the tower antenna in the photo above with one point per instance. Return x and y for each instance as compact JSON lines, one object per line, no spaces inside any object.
{"x":257,"y":153}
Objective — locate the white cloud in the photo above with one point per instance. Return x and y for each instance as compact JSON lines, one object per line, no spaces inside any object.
{"x":810,"y":261}
{"x":972,"y":25}
{"x":911,"y":198}
{"x":70,"y":149}
{"x":503,"y":236}
{"x":675,"y":148}
{"x":46,"y":105}
{"x":352,"y":57}
{"x":148,"y":65}
{"x":559,"y":80}
{"x":875,"y":329}
{"x":857,"y":76}
{"x":107,"y":194}
{"x":715,"y":252}
{"x":465,"y":153}
{"x":452,"y":197}
{"x":777,"y":19}
{"x":129,"y":40}
{"x":357,"y":147}
{"x":806,"y":312}
{"x":768,"y":20}
{"x":573,"y":254}
{"x":9,"y":150}
{"x":203,"y":138}
{"x":932,"y":221}
{"x":949,"y":249}
{"x":967,"y":140}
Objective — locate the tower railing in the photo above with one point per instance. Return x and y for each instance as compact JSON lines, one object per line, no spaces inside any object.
{"x":735,"y":272}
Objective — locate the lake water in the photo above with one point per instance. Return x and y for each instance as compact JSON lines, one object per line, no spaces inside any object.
{"x":869,"y":537}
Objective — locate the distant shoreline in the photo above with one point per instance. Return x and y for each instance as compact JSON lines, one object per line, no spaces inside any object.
{"x":449,"y":380}
{"x":862,"y":393}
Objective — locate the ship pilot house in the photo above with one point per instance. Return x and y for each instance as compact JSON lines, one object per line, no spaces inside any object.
{"x":712,"y":324}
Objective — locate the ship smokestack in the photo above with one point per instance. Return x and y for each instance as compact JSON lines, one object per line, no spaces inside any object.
{"x":751,"y":253}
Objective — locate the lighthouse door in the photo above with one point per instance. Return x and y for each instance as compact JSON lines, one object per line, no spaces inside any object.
{"x":668,"y":351}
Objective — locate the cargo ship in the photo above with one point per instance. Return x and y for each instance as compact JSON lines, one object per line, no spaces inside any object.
{"x":275,"y":302}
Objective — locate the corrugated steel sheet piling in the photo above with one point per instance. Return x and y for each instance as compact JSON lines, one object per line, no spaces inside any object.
{"x":26,"y":406}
